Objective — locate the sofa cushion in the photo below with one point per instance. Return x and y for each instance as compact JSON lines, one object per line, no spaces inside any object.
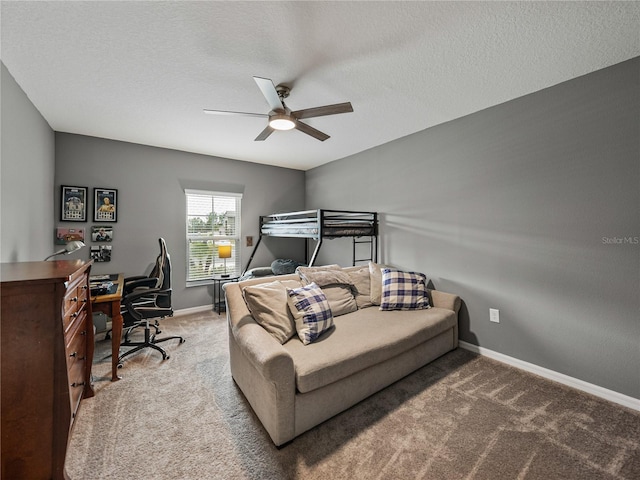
{"x":267,"y":303}
{"x":375,"y":273}
{"x":324,"y":275}
{"x":311,"y":312}
{"x":340,"y":298}
{"x":336,"y":285}
{"x":361,"y":284}
{"x":403,"y":290}
{"x":362,"y":339}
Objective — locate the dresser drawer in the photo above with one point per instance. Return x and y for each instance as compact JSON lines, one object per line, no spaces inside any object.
{"x":76,"y":354}
{"x":83,"y":292}
{"x":75,"y":302}
{"x":76,"y":342}
{"x":76,"y":384}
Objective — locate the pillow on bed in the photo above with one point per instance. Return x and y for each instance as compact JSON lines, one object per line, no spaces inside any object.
{"x":361,"y":285}
{"x":403,"y":290}
{"x":261,"y":271}
{"x":256,"y":272}
{"x":267,"y":303}
{"x":311,"y":312}
{"x":284,"y":266}
{"x":375,"y":273}
{"x":336,"y":285}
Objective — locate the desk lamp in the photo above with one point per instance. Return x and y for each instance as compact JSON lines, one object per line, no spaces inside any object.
{"x":224,"y":251}
{"x":69,"y":248}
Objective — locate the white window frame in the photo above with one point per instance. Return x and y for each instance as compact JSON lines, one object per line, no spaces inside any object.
{"x":214,"y":238}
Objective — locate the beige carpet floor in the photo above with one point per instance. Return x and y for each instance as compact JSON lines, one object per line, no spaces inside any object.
{"x":461,"y":417}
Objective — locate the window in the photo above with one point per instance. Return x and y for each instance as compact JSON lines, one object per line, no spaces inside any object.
{"x":213,"y":220}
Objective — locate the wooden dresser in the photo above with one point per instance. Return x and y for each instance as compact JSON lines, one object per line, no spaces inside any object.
{"x":46,"y":356}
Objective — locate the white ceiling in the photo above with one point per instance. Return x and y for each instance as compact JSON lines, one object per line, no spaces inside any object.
{"x":143,"y":71}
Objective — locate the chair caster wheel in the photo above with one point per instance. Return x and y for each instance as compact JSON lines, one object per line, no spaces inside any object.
{"x":167,"y":357}
{"x":119,"y":365}
{"x":182,"y":340}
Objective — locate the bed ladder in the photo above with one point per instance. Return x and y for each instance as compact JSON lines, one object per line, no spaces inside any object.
{"x":373,"y":248}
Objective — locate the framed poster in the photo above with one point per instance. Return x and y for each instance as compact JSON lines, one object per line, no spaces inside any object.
{"x":105,"y":205}
{"x":73,"y":207}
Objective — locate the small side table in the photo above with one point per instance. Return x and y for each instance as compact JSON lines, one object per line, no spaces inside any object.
{"x":218,"y":281}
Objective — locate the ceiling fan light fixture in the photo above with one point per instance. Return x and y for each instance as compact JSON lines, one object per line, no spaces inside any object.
{"x":281,"y":121}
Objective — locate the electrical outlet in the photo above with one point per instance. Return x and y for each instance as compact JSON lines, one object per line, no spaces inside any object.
{"x":249,"y":241}
{"x":494,"y":315}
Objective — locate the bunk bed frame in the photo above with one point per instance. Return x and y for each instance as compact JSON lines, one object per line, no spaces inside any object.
{"x":321,"y":224}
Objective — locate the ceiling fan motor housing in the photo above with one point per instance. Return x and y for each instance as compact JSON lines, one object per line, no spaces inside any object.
{"x":282,"y":118}
{"x":283,"y":90}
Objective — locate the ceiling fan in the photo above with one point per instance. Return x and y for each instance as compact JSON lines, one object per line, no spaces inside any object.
{"x":281,"y":117}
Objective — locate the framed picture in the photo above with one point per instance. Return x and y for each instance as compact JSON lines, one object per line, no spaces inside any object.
{"x":73,"y":207}
{"x":102,"y":233}
{"x":105,"y":205}
{"x":66,"y":235}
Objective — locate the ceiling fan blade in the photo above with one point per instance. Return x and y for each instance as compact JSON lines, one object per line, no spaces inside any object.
{"x":321,"y":111}
{"x":270,"y":93}
{"x":224,"y":112}
{"x":264,"y":134}
{"x":303,"y":127}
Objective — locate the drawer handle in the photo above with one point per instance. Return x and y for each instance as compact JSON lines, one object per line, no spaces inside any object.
{"x":77,"y":384}
{"x":74,"y":315}
{"x":83,"y":332}
{"x":84,"y":287}
{"x":74,"y":299}
{"x":84,"y":300}
{"x":74,"y":354}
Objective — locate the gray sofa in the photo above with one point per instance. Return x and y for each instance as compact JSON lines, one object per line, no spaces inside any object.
{"x":293,"y":387}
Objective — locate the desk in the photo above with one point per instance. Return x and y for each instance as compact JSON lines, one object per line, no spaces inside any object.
{"x":110,"y":304}
{"x":218,"y":281}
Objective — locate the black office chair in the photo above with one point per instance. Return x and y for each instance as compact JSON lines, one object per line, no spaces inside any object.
{"x":138,"y":283}
{"x":142,"y":304}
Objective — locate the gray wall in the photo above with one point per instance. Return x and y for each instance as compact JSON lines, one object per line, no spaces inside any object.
{"x":27,"y":165}
{"x":519,"y":207}
{"x":151,"y":202}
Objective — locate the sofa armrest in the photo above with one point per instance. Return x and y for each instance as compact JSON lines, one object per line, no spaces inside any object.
{"x":261,"y":367}
{"x":264,"y":352}
{"x":266,"y":355}
{"x":445,"y":300}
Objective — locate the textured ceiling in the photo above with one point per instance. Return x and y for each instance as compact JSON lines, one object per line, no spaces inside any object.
{"x":143,"y":71}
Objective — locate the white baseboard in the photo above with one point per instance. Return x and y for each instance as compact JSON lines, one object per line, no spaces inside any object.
{"x":188,"y":311}
{"x":610,"y":395}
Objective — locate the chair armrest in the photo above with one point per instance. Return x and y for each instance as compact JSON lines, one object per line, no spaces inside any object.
{"x":147,"y":310}
{"x":445,"y":300}
{"x":135,"y":277}
{"x":138,"y":282}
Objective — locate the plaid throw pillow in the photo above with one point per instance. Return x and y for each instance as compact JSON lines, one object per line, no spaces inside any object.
{"x":403,"y":290}
{"x":311,"y":312}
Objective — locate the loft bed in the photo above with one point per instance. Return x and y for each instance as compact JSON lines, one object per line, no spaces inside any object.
{"x":321,"y":224}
